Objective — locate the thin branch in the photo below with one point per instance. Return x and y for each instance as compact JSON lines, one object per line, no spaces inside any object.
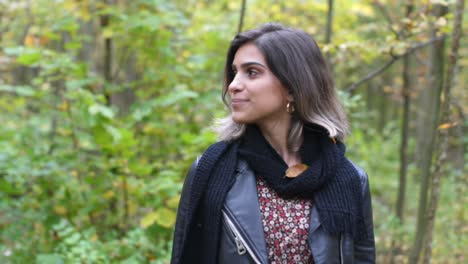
{"x":386,"y":15}
{"x":30,"y":23}
{"x":389,"y":63}
{"x":424,"y":44}
{"x":371,"y":75}
{"x":420,"y":60}
{"x":241,"y":18}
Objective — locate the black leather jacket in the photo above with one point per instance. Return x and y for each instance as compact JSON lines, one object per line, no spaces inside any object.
{"x":242,"y":237}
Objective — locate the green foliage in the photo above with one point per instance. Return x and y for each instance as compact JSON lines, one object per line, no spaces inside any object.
{"x":378,"y":153}
{"x":84,"y":180}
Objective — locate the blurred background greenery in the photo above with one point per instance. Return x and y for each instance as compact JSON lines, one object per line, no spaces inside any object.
{"x":104,"y":104}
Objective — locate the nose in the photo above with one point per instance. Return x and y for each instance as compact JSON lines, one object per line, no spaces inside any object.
{"x":236,"y":85}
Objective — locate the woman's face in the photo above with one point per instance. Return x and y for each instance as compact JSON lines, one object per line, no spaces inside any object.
{"x":257,"y":96}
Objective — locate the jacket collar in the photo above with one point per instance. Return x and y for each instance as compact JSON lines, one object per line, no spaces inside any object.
{"x":243,"y":207}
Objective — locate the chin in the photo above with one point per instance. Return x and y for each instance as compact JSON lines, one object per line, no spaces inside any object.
{"x":239,"y":119}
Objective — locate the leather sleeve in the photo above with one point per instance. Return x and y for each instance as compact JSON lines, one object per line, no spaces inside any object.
{"x":364,"y":251}
{"x":180,"y":225}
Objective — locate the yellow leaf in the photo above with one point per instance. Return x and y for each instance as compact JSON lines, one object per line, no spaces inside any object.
{"x":296,"y":170}
{"x":186,"y":54}
{"x":69,"y":5}
{"x":388,"y":89}
{"x":173,"y":202}
{"x":163,"y":217}
{"x":294,"y":20}
{"x":107,"y":32}
{"x":108,"y":195}
{"x":275,"y":9}
{"x":441,"y":22}
{"x":166,"y":217}
{"x":39,"y":227}
{"x":94,"y":238}
{"x":29,"y":40}
{"x":64,"y":106}
{"x":148,"y":129}
{"x":148,"y":220}
{"x":60,"y":210}
{"x":116,"y":183}
{"x":447,"y":125}
{"x":132,"y":207}
{"x":232,"y":5}
{"x":64,"y":132}
{"x":361,"y":9}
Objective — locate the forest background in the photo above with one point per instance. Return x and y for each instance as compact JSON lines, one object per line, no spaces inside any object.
{"x":104,"y":105}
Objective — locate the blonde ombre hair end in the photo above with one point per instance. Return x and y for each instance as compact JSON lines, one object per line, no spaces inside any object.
{"x":295,"y":59}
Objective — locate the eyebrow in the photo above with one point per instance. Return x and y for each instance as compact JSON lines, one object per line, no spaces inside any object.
{"x":247,"y":64}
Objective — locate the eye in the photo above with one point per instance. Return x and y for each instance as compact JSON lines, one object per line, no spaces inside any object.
{"x":252,"y":72}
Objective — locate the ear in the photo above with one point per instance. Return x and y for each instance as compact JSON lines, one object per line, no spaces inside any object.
{"x":289,"y":97}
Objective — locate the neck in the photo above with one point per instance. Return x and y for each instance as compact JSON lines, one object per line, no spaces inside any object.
{"x":277,"y":136}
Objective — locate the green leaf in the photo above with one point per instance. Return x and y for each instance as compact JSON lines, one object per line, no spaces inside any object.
{"x":174,"y":97}
{"x":14,"y":51}
{"x":102,"y":110}
{"x":29,"y":58}
{"x":101,"y":136}
{"x":21,"y":90}
{"x":73,"y":239}
{"x":25,"y":91}
{"x":49,"y":259}
{"x":114,"y":132}
{"x":76,"y":84}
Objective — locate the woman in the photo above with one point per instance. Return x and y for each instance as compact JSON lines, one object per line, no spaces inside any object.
{"x":277,"y":188}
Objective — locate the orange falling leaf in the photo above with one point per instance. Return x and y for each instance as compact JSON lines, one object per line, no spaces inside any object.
{"x":296,"y":170}
{"x":447,"y":125}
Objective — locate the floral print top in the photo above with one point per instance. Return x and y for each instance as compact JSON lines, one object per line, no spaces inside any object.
{"x":286,"y":226}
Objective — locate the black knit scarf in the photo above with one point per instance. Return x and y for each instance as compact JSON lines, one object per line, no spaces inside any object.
{"x":331,"y":181}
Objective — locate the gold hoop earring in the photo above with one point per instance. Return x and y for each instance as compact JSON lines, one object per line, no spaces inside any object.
{"x":290,"y":108}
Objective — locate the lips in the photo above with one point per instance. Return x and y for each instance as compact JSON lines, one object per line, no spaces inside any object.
{"x":238,"y":102}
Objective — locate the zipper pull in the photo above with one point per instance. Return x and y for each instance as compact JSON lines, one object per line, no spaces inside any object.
{"x":240,"y":247}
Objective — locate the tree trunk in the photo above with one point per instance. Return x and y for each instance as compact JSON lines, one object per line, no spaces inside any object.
{"x":406,"y":93}
{"x":125,"y":98}
{"x":435,"y":82}
{"x":383,"y":103}
{"x":85,"y":54}
{"x":329,"y":31}
{"x":442,"y":143}
{"x":369,"y":97}
{"x":107,"y":60}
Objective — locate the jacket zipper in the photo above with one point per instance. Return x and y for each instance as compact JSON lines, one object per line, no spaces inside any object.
{"x":341,"y":249}
{"x":242,"y":246}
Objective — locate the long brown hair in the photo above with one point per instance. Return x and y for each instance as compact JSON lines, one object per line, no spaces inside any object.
{"x":295,"y":59}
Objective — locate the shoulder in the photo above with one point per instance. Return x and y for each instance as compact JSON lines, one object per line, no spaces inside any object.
{"x":214,"y":150}
{"x":361,"y":173}
{"x":209,"y":156}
